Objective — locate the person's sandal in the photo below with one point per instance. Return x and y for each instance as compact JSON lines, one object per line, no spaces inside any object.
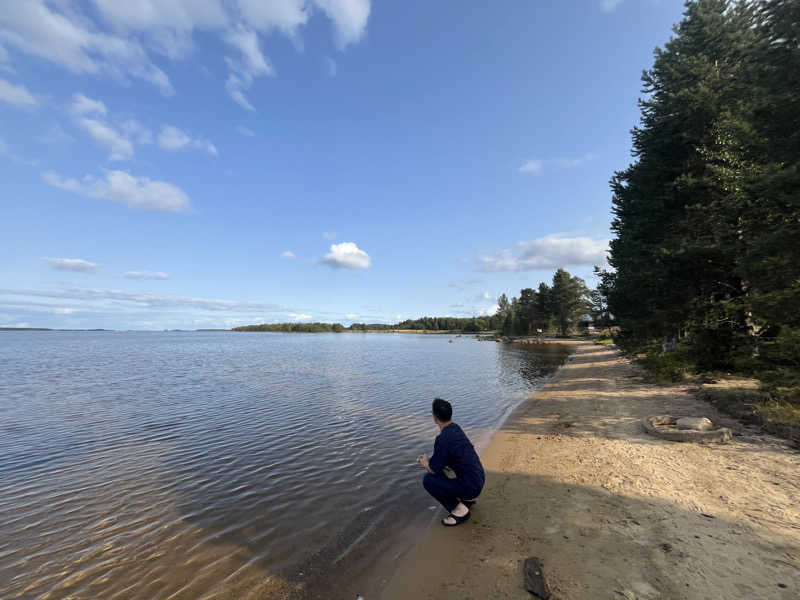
{"x":458,"y":520}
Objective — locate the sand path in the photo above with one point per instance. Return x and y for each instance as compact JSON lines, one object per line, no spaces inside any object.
{"x":612,"y":512}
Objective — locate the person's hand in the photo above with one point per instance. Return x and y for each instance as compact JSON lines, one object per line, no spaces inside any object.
{"x":422,"y":461}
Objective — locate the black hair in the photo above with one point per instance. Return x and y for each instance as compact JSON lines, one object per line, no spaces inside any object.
{"x":442,"y":410}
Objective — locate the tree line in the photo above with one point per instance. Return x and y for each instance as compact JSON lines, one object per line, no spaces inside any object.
{"x":549,"y":308}
{"x":707,"y":217}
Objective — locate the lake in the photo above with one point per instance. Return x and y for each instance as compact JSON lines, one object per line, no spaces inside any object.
{"x":150,"y":465}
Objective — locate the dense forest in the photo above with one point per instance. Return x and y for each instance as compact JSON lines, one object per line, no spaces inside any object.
{"x":705,"y":266}
{"x":557,"y":308}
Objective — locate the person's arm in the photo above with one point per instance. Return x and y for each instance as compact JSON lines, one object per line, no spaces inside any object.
{"x":438,"y":461}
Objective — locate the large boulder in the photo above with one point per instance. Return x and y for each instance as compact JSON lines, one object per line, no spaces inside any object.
{"x":696,"y":423}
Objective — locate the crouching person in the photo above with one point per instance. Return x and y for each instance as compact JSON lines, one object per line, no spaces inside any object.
{"x":452,"y":449}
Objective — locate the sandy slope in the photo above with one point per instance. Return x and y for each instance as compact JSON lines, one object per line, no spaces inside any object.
{"x":613,"y":513}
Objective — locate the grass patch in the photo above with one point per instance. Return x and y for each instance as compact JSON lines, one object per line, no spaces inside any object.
{"x":756,"y":407}
{"x":604,"y":341}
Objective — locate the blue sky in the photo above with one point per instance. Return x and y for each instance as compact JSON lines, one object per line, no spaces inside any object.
{"x":200,"y":163}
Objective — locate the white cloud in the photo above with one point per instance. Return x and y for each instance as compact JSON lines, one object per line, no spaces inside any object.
{"x":286,"y":15}
{"x":609,"y":5}
{"x":462,"y":283}
{"x":330,"y":235}
{"x":549,"y":252}
{"x":87,"y":114}
{"x":349,"y":18}
{"x":299,"y":317}
{"x":72,"y":264}
{"x":168,"y":25}
{"x":171,"y":138}
{"x":145,"y":275}
{"x":347,"y":255}
{"x":146,"y":299}
{"x":135,"y":130}
{"x":81,"y":105}
{"x":17,"y":95}
{"x":250,"y":65}
{"x":70,"y":40}
{"x":570,"y":163}
{"x":245,"y":131}
{"x":120,"y":147}
{"x":120,"y":186}
{"x":535,"y":165}
{"x":488,"y":312}
{"x":288,"y":254}
{"x":330,"y":66}
{"x":351,"y":316}
{"x":118,"y":43}
{"x":532,"y":166}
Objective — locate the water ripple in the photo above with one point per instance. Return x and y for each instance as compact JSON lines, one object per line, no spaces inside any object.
{"x":177,"y":465}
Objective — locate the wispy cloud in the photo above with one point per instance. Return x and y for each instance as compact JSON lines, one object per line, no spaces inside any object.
{"x":536,"y":166}
{"x":72,"y":264}
{"x":347,"y":255}
{"x":330,"y":235}
{"x":463,"y":283}
{"x":330,"y":66}
{"x":89,"y":114}
{"x":120,"y":186}
{"x":352,"y":316}
{"x":569,"y":163}
{"x":609,"y":5}
{"x":57,"y":33}
{"x":146,"y":299}
{"x":243,"y":70}
{"x":17,"y":95}
{"x":56,"y":135}
{"x":299,"y":317}
{"x":171,"y":138}
{"x":288,"y":254}
{"x":145,"y":275}
{"x":532,"y":166}
{"x":241,"y":129}
{"x":116,"y":39}
{"x":549,"y":252}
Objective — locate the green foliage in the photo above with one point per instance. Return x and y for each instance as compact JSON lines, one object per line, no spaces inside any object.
{"x":569,"y":300}
{"x":707,"y":218}
{"x":664,"y":368}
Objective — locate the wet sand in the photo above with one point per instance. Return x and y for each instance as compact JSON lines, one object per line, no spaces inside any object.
{"x":612,"y":512}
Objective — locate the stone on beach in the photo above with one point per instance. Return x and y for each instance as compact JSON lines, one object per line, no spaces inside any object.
{"x":534,"y":578}
{"x":697,"y":423}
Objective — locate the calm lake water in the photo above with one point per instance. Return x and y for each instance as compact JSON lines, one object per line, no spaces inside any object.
{"x":201,"y":465}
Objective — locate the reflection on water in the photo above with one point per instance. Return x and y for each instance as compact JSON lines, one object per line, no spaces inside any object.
{"x":156,"y":465}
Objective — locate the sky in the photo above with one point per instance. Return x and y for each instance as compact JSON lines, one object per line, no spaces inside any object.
{"x":211,"y":163}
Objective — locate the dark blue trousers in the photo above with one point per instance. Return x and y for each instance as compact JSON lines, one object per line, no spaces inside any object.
{"x":449,"y":492}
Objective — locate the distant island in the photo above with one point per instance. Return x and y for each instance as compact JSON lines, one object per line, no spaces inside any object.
{"x":437,"y":324}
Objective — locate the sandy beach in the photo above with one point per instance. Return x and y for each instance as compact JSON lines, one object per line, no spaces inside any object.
{"x":611,"y":512}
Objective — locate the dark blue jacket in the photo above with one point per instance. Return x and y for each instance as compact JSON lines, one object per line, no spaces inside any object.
{"x":453,"y":449}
